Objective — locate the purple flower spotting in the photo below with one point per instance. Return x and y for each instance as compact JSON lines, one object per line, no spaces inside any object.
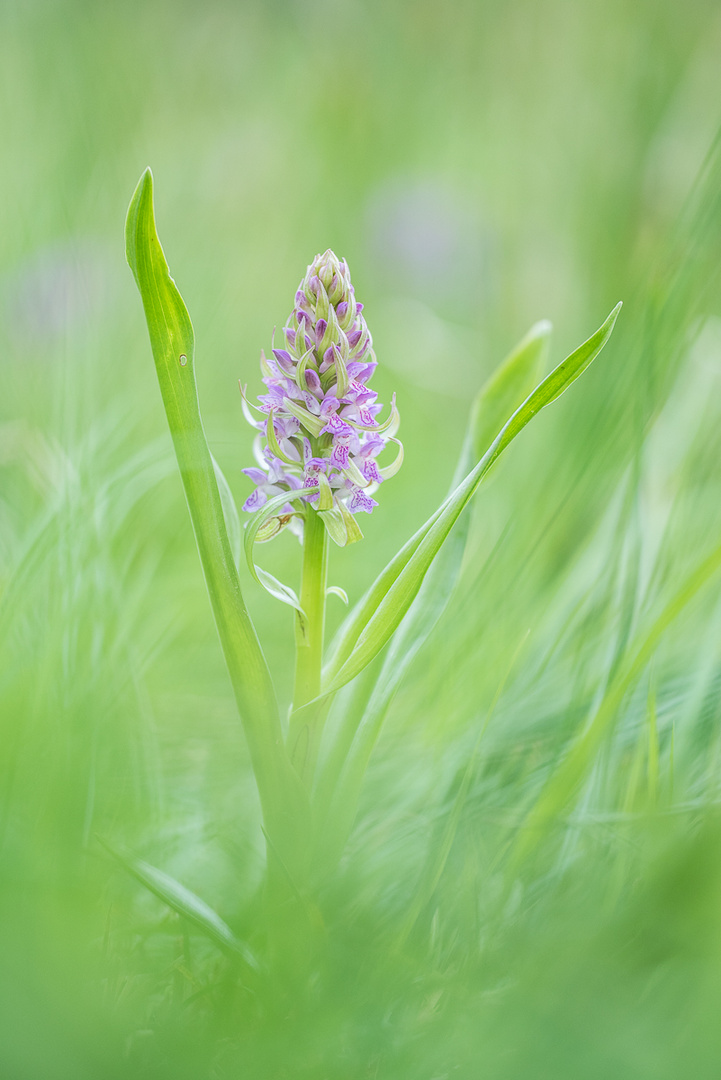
{"x":318,"y":424}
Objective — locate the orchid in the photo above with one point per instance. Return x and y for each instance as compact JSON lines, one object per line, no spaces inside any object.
{"x":318,"y":447}
{"x":319,"y":417}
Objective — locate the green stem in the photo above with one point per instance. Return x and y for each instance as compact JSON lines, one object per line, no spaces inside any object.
{"x":294,"y":923}
{"x":309,"y":639}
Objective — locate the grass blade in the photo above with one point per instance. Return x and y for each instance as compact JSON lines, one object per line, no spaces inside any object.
{"x":566,"y":780}
{"x":187,"y":904}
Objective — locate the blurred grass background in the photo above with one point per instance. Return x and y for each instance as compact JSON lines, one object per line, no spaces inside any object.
{"x":481,"y":165}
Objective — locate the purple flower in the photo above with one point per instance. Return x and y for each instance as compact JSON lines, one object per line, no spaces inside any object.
{"x":340,"y":455}
{"x":337,"y":427}
{"x":370,"y":471}
{"x":255,"y":500}
{"x":361,"y":501}
{"x":285,"y":360}
{"x":324,"y":415}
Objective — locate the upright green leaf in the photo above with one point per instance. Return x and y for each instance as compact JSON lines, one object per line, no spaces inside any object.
{"x":173,"y":344}
{"x":358,"y":732}
{"x":389,"y":598}
{"x":506,"y":389}
{"x":230,"y":513}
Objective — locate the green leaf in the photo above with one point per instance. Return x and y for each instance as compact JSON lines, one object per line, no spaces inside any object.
{"x":508,"y":386}
{"x":187,"y":904}
{"x":260,"y":517}
{"x":173,"y":345}
{"x":335,"y":526}
{"x":380,"y":612}
{"x":341,"y":371}
{"x":306,"y":358}
{"x":230,"y":512}
{"x":273,"y":444}
{"x":359,"y":730}
{"x":341,"y":525}
{"x":325,"y":494}
{"x":312,"y":423}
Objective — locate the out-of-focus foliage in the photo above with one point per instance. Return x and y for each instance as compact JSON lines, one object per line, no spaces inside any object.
{"x":509,"y":905}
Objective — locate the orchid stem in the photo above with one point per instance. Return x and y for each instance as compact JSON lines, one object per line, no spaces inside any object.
{"x":309,"y":636}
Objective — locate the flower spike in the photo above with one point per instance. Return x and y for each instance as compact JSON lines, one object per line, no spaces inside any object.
{"x":318,"y":418}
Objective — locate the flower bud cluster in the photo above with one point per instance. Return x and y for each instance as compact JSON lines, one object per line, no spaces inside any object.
{"x":321,"y":428}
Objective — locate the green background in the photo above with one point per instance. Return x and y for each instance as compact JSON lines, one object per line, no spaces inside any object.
{"x":480,"y":165}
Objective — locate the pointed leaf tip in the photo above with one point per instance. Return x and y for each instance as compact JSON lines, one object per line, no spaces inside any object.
{"x":377,"y":616}
{"x":171,"y":331}
{"x":140,"y":211}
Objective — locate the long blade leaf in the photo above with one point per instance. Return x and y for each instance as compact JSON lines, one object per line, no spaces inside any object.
{"x":358,"y":733}
{"x":185,"y":903}
{"x":503,"y":392}
{"x":173,"y":344}
{"x":390,"y":597}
